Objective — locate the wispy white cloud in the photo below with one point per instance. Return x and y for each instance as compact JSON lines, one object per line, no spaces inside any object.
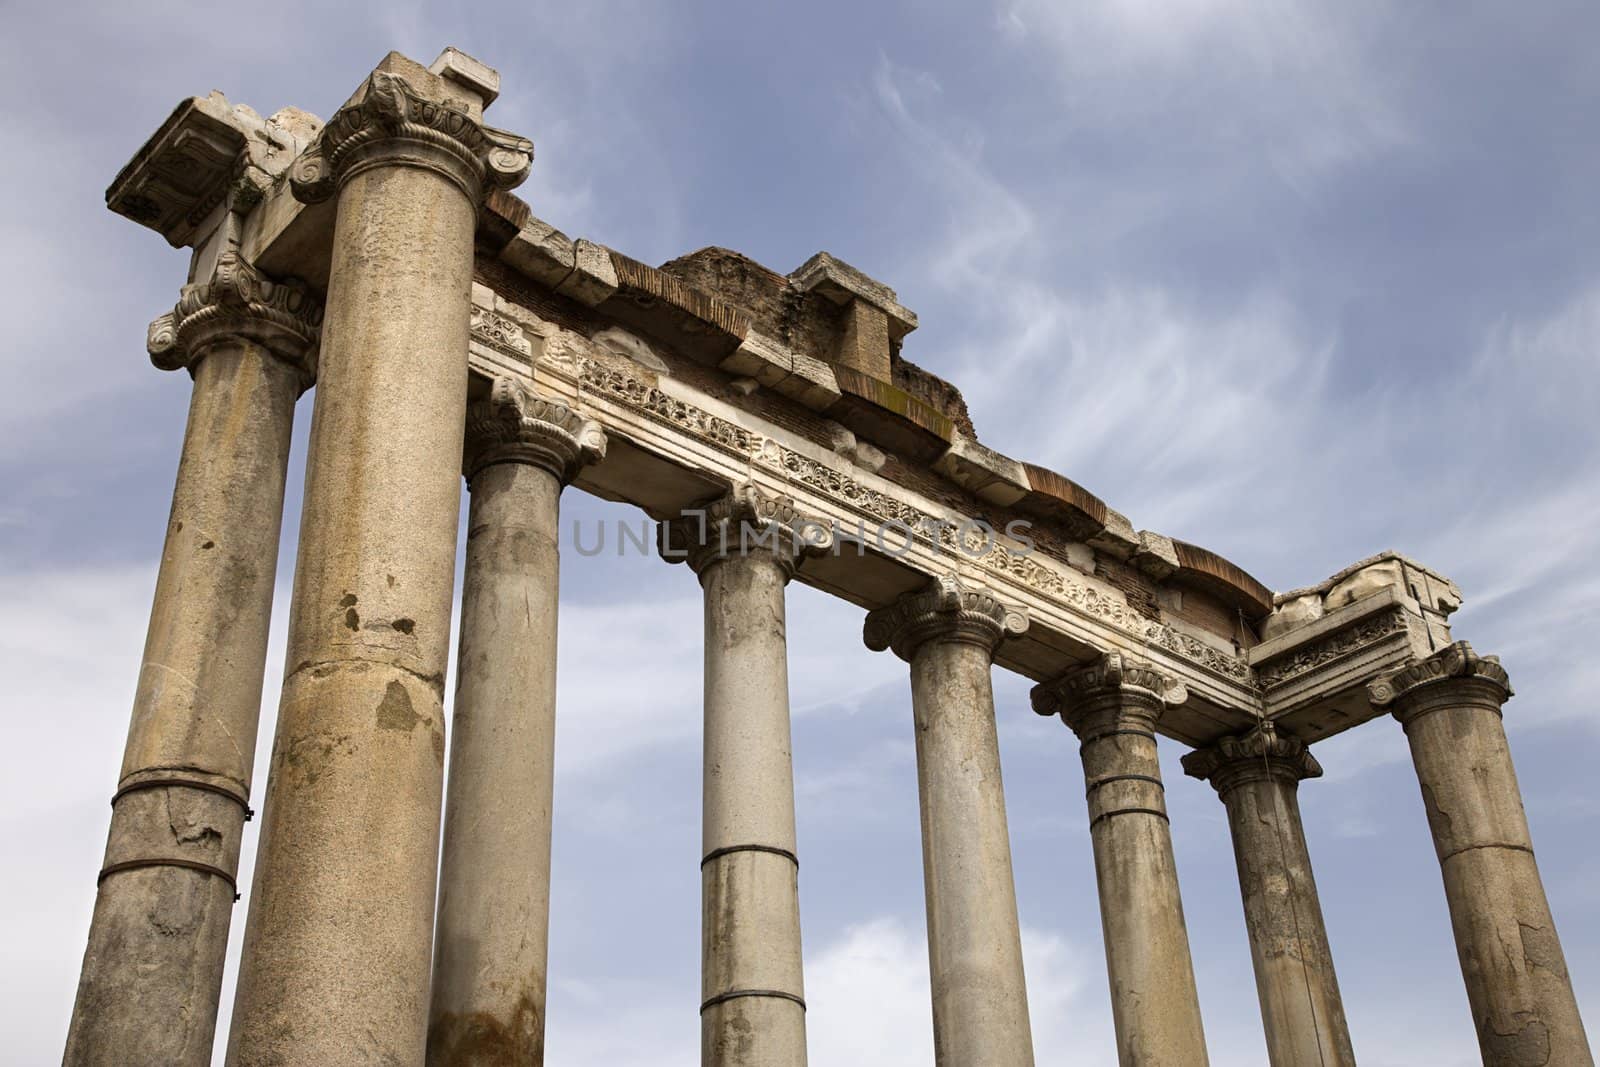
{"x":1288,"y":82}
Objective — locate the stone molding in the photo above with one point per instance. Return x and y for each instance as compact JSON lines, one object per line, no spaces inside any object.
{"x":393,"y":123}
{"x":1257,"y":755}
{"x":238,"y":301}
{"x":742,"y":522}
{"x":1453,"y":676}
{"x":1334,"y":646}
{"x":500,"y":332}
{"x":947,"y":609}
{"x":512,"y":425}
{"x":621,"y":386}
{"x":208,"y":153}
{"x":1114,"y":684}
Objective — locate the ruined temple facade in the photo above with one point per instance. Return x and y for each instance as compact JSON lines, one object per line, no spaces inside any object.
{"x":773,"y":425}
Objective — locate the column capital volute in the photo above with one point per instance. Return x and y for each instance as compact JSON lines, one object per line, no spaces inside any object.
{"x":514,"y":425}
{"x":239,"y":302}
{"x":745,"y":521}
{"x":1259,"y":754}
{"x":1102,"y":695}
{"x":1454,"y":676}
{"x":948,"y":608}
{"x":412,"y":121}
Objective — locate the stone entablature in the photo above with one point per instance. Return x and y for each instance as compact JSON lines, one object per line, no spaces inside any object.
{"x":710,"y":363}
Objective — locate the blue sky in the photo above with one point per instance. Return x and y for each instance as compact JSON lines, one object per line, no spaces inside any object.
{"x":1295,"y":282}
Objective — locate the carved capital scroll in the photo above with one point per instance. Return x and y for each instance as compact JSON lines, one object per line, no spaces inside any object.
{"x":946,"y":609}
{"x":1113,"y":685}
{"x":1258,"y":754}
{"x":1454,"y":674}
{"x":744,"y":521}
{"x":393,"y":123}
{"x":238,"y":301}
{"x":512,"y":425}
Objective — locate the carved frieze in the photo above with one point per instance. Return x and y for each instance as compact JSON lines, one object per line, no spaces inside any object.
{"x":501,"y":332}
{"x":1335,"y":646}
{"x":567,"y":353}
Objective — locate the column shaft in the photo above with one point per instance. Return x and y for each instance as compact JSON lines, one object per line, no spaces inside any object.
{"x":338,"y":945}
{"x":1516,"y":975}
{"x":745,"y":547}
{"x":1154,"y":1002}
{"x":1300,"y":1004}
{"x":980,"y":999}
{"x":1257,"y":776}
{"x":152,"y":973}
{"x":494,"y":896}
{"x":750,"y":943}
{"x":488,"y":996}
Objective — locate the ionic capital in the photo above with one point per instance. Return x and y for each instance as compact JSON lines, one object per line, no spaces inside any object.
{"x":745,"y":521}
{"x":1257,"y":755}
{"x":238,"y":301}
{"x":1453,"y":676}
{"x":393,"y":123}
{"x":1107,"y":694}
{"x":947,"y":609}
{"x":512,"y":425}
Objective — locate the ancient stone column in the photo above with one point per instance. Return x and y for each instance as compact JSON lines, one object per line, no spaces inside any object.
{"x":948,"y":633}
{"x":153,"y":969}
{"x":338,"y":943}
{"x":1522,"y":1000}
{"x":494,"y":894}
{"x":1113,"y":707}
{"x":1257,"y":775}
{"x":745,"y":547}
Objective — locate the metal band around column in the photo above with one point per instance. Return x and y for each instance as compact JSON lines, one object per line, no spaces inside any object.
{"x":1130,"y":811}
{"x":1146,"y":734}
{"x":1108,"y":779}
{"x":729,"y":849}
{"x":193,"y":865}
{"x":736,"y":994}
{"x":184,"y":783}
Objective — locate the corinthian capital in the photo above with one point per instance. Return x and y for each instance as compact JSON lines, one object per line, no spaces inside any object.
{"x":238,"y":301}
{"x":946,"y":608}
{"x":744,"y":521}
{"x":1455,"y":674}
{"x":395,"y":122}
{"x":1258,"y":754}
{"x":1111,"y":688}
{"x":512,"y":425}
